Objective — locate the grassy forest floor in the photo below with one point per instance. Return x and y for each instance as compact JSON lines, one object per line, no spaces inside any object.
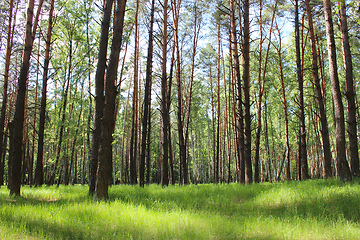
{"x":316,"y":209}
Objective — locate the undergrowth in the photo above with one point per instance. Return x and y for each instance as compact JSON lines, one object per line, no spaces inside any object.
{"x":316,"y":209}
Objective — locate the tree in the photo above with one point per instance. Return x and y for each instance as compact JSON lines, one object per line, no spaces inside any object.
{"x":39,"y":172}
{"x":240,"y":122}
{"x":350,"y":93}
{"x":246,"y":80}
{"x":107,"y":125}
{"x":315,"y":75}
{"x":18,"y":121}
{"x":147,"y":101}
{"x":99,"y":94}
{"x":5,"y":90}
{"x":342,"y":164}
{"x":302,"y":162}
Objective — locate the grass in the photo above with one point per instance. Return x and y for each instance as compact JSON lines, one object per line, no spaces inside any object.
{"x":316,"y":209}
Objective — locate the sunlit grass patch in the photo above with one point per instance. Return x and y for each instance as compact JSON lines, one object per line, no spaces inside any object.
{"x":317,"y":209}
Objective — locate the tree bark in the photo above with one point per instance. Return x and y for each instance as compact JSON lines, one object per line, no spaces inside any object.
{"x":246,"y":80}
{"x":107,"y":125}
{"x":180,"y":123}
{"x":303,"y":172}
{"x":147,"y":100}
{"x":99,"y":94}
{"x":5,"y":91}
{"x":350,"y":93}
{"x":164,"y":104}
{"x":39,"y":171}
{"x":135,"y":108}
{"x":315,"y":74}
{"x":240,"y":122}
{"x":18,"y":121}
{"x":342,"y":164}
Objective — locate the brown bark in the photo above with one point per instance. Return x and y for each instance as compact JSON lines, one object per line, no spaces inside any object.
{"x":147,"y":100}
{"x":350,"y":93}
{"x":39,"y":171}
{"x":246,"y":81}
{"x":99,"y":94}
{"x":303,"y":172}
{"x":107,"y":125}
{"x":239,"y":113}
{"x":341,"y":161}
{"x":135,"y":108}
{"x":197,"y":24}
{"x":180,"y":122}
{"x":315,"y":74}
{"x":164,"y":100}
{"x":261,"y":82}
{"x":217,"y":149}
{"x":5,"y":91}
{"x":18,"y":121}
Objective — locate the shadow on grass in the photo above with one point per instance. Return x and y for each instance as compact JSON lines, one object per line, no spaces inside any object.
{"x":324,"y":200}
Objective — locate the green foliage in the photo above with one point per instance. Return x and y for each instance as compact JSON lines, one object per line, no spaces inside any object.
{"x":317,"y":209}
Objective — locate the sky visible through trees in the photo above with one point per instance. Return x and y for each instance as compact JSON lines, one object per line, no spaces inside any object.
{"x":219,"y":92}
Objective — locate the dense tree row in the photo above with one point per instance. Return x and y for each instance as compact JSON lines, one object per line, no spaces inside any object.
{"x":139,"y":92}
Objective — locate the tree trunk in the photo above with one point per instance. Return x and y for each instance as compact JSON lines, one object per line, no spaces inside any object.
{"x":303,"y":172}
{"x":246,"y":80}
{"x":350,"y":93}
{"x":18,"y":121}
{"x":147,"y":100}
{"x":107,"y":125}
{"x":99,"y":94}
{"x":315,"y":74}
{"x":164,"y":104}
{"x":5,"y":91}
{"x":39,"y":171}
{"x":180,"y":123}
{"x":240,"y":123}
{"x":261,"y":80}
{"x":135,"y":108}
{"x":342,"y":164}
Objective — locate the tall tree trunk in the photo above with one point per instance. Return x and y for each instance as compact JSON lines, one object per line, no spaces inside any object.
{"x":164,"y":96}
{"x":39,"y":171}
{"x":240,"y":122}
{"x":147,"y":100}
{"x":197,"y":23}
{"x":135,"y":108}
{"x":18,"y":121}
{"x":350,"y":93}
{"x":213,"y":127}
{"x":99,"y":94}
{"x":107,"y":125}
{"x":303,"y":172}
{"x":217,"y":149}
{"x":246,"y":80}
{"x":180,"y":123}
{"x":5,"y":91}
{"x":342,"y":164}
{"x":261,"y":80}
{"x":315,"y":74}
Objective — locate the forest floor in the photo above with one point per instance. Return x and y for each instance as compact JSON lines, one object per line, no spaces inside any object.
{"x":315,"y":209}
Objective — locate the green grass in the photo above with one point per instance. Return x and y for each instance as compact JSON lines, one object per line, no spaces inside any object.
{"x":317,"y":209}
